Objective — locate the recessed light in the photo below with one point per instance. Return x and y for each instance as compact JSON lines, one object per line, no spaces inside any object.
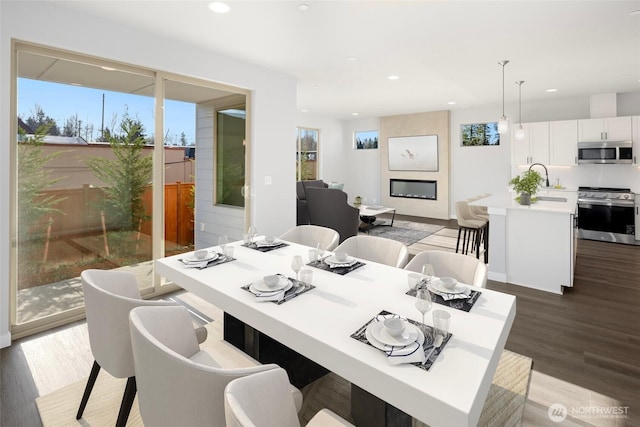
{"x":219,"y":7}
{"x":393,"y":77}
{"x":76,"y":84}
{"x":303,"y":7}
{"x":304,"y":110}
{"x":355,"y":114}
{"x":352,"y":59}
{"x":451,"y":102}
{"x":108,"y":68}
{"x":551,"y":90}
{"x":316,"y":86}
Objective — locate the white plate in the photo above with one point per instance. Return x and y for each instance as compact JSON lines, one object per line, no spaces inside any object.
{"x":380,"y":333}
{"x":331,"y":259}
{"x":210,"y":257}
{"x":439,"y":287}
{"x":380,"y":346}
{"x":265,"y":244}
{"x":260,"y":286}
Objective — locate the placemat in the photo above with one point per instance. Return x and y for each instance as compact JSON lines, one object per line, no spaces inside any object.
{"x":361,"y":336}
{"x":338,"y":270}
{"x":297,"y":289}
{"x":459,"y":304}
{"x":222,"y":259}
{"x":265,"y":248}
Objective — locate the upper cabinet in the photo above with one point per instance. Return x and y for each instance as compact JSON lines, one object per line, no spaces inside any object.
{"x":606,"y":129}
{"x":563,"y":142}
{"x":636,"y":147}
{"x":534,"y":148}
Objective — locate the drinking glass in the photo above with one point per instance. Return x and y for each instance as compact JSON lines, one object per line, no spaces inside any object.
{"x":222,"y":242}
{"x":441,"y":320}
{"x":306,"y":275}
{"x":252,"y":232}
{"x":320,"y":251}
{"x":413,"y":279}
{"x":296,"y":265}
{"x":423,"y":304}
{"x":427,"y":272}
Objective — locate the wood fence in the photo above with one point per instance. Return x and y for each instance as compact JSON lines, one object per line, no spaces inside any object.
{"x":80,"y":213}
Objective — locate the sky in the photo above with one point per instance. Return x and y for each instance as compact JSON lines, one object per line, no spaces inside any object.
{"x":61,"y":101}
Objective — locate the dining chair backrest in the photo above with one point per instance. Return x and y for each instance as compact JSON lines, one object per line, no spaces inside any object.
{"x":175,"y":386}
{"x":463,"y":268}
{"x":376,"y":249}
{"x":109,"y":296}
{"x":466,"y":218}
{"x":263,"y":399}
{"x":312,"y":235}
{"x":260,"y":399}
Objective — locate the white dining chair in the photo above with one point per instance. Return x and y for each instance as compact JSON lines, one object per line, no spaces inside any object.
{"x":178,"y":383}
{"x":463,"y":268}
{"x":376,"y":249}
{"x":312,"y":235}
{"x":263,"y":399}
{"x":109,"y":296}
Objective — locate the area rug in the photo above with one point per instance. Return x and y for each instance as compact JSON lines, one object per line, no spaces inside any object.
{"x":504,"y":405}
{"x":405,"y":231}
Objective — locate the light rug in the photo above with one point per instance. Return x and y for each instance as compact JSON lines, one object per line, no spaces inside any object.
{"x":405,"y":231}
{"x":504,"y":405}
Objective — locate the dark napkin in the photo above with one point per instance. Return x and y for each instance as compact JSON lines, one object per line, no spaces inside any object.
{"x":338,"y":270}
{"x":360,"y":335}
{"x":298,"y":288}
{"x":460,"y":304}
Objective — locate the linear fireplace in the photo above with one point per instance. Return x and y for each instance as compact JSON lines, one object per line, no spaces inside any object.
{"x":413,"y":189}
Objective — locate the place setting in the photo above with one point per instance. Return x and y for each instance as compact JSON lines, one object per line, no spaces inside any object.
{"x":279,"y":288}
{"x":204,"y":258}
{"x":444,"y":290}
{"x":339,"y":262}
{"x":265,"y":244}
{"x":405,"y":341}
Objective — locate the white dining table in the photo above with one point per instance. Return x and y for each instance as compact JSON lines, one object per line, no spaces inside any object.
{"x":319,"y":323}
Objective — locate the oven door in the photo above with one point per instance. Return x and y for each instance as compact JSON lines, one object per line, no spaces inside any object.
{"x":606,"y":217}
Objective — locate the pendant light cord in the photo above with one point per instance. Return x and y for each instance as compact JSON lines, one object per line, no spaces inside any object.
{"x":503,"y":63}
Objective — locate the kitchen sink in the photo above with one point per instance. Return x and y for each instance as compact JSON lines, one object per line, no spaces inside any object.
{"x":551,"y":199}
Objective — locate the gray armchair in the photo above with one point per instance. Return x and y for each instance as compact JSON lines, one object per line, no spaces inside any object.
{"x":329,"y":208}
{"x":302,"y":212}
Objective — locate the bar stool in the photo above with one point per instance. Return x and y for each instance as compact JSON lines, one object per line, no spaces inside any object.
{"x":472,"y":229}
{"x":481,"y":213}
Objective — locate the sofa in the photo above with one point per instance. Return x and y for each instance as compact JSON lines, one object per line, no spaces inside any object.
{"x":328,"y":207}
{"x":302,"y":211}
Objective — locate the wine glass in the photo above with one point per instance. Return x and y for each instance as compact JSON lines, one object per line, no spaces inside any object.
{"x":427,"y":273}
{"x":296,"y":264}
{"x":423,"y":304}
{"x":252,"y":232}
{"x":320,"y":251}
{"x":222,"y":242}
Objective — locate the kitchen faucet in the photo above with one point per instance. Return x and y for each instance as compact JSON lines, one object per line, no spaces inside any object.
{"x":546,"y":172}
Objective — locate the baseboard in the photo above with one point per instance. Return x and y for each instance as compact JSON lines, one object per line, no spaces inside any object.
{"x":498,"y":277}
{"x":5,"y":340}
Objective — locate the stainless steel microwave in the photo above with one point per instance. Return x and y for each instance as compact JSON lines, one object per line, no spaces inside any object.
{"x":605,"y":152}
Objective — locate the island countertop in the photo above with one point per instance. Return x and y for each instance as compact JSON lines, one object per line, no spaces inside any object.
{"x":507,"y":200}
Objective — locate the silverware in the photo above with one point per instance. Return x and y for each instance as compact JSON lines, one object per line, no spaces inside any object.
{"x":436,"y":345}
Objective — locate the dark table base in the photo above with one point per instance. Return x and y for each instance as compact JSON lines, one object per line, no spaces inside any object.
{"x":366,"y":409}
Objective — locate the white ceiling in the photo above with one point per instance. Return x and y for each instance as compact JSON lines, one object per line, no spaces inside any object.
{"x":442,"y":50}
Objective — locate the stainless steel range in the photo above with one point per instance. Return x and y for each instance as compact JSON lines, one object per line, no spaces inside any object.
{"x":606,"y":214}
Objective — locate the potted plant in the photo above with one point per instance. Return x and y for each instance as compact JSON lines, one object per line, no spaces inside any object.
{"x":357,"y":202}
{"x":526,"y":185}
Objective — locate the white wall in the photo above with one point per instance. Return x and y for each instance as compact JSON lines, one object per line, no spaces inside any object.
{"x":363,"y":166}
{"x":273,"y":104}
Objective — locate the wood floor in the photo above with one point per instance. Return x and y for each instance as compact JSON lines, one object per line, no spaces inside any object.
{"x":585,"y":345}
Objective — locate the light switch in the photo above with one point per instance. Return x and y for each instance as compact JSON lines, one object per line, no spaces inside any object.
{"x":267,"y":180}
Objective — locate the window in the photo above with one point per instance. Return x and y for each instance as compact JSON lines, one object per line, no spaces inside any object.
{"x":307,"y":154}
{"x":230,"y":161}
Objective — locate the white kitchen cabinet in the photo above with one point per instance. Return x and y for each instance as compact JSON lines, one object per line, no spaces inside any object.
{"x":606,"y":129}
{"x":563,"y":142}
{"x":637,"y":217}
{"x":534,"y":148}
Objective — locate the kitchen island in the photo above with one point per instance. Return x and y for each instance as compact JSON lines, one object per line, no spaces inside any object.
{"x":532,"y":246}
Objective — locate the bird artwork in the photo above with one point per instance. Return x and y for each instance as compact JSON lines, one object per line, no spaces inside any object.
{"x":409,"y":155}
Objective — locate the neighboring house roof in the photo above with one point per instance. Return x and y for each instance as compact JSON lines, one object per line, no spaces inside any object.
{"x":51,"y":139}
{"x":25,"y":127}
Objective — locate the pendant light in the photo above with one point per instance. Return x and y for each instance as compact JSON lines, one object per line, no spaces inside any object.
{"x":520,"y":129}
{"x":503,"y":123}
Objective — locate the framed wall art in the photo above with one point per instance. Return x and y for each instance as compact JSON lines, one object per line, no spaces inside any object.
{"x":413,"y":153}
